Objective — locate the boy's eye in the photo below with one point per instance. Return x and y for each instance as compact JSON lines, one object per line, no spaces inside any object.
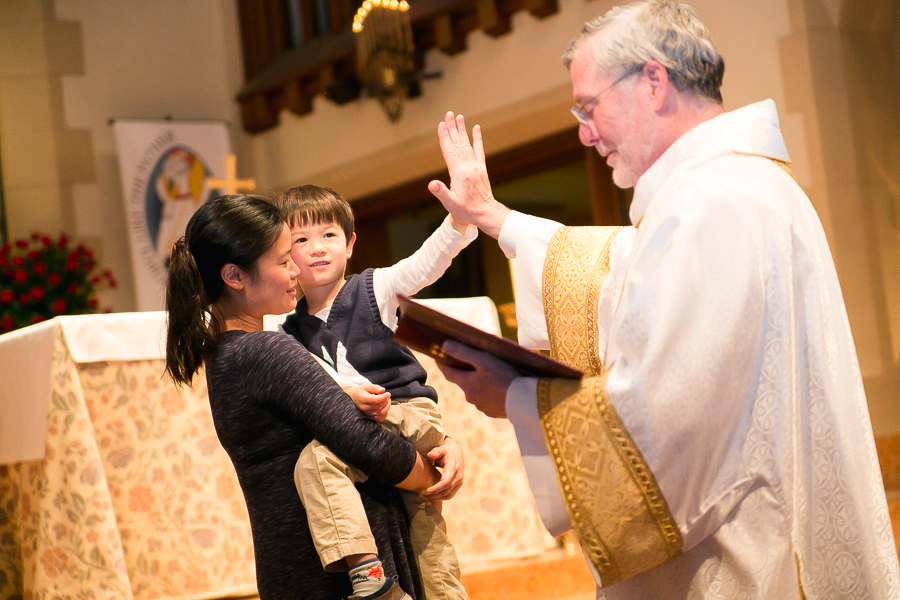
{"x":300,"y":240}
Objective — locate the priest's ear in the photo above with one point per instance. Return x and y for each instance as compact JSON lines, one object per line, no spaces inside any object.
{"x":233,"y":276}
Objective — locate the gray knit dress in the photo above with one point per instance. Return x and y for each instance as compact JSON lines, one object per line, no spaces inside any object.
{"x":269,"y":399}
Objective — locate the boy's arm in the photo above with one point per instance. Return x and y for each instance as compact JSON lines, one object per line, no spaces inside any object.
{"x":423,"y":268}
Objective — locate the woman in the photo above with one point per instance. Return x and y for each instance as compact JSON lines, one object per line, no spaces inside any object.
{"x":270,"y":398}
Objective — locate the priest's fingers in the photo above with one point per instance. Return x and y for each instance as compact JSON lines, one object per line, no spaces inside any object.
{"x":448,"y":149}
{"x":461,"y":132}
{"x":450,"y":200}
{"x":485,"y":386}
{"x":455,"y":150}
{"x":452,"y":131}
{"x":478,"y":145}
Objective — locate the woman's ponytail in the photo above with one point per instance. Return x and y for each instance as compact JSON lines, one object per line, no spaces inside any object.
{"x":188,"y":339}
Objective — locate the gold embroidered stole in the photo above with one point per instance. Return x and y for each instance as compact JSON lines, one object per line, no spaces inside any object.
{"x":613,"y":501}
{"x":574,"y":271}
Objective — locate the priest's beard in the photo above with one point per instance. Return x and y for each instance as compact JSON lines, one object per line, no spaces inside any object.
{"x":634,"y":157}
{"x":623,"y":177}
{"x":635,"y":150}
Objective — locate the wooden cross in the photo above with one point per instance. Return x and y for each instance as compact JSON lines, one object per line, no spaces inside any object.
{"x":231,"y":184}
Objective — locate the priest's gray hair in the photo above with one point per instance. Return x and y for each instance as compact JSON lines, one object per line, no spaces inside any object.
{"x":661,"y":30}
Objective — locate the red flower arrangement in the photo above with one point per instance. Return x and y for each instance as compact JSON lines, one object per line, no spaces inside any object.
{"x":42,"y":277}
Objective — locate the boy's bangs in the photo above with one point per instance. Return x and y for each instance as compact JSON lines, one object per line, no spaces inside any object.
{"x":314,"y":215}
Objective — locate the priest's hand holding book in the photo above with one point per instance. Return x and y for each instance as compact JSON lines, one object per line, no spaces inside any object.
{"x":482,"y":364}
{"x":486,"y":383}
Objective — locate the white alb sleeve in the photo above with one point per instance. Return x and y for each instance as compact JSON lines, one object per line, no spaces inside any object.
{"x":521,"y":409}
{"x":526,"y":238}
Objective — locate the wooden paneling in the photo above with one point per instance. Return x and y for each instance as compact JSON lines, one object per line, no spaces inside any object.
{"x":491,"y":20}
{"x":446,"y":37}
{"x":552,"y":151}
{"x":604,"y":196}
{"x":279,"y":77}
{"x":557,"y":150}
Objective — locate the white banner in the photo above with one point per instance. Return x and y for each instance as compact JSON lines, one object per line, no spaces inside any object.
{"x":164,"y":167}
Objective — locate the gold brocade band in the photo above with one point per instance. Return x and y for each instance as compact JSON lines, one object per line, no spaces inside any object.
{"x":784,"y":164}
{"x":799,"y":579}
{"x":612,"y":498}
{"x":613,"y":501}
{"x":574,"y":271}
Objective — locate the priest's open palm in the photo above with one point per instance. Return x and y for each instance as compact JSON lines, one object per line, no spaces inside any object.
{"x":469,"y":198}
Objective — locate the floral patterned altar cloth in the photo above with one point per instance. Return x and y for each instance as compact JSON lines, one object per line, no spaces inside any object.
{"x":134,"y":497}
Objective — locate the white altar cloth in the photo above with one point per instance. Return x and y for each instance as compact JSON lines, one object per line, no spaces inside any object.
{"x":26,"y":356}
{"x":25,"y":360}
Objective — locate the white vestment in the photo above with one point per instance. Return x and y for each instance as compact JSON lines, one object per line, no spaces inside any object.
{"x":731,"y":364}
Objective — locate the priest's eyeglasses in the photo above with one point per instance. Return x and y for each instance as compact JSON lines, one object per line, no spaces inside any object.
{"x":582,"y":115}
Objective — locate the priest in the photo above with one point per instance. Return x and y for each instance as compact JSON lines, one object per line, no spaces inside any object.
{"x":719,"y":445}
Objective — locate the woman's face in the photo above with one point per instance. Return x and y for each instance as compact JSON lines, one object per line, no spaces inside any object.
{"x":272,"y":289}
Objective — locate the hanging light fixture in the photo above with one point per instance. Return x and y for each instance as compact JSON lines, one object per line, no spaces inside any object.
{"x":385,"y":53}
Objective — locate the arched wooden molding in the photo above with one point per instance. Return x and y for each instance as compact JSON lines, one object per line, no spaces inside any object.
{"x":279,"y":77}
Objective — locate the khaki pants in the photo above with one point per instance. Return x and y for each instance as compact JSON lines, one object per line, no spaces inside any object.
{"x":337,"y":520}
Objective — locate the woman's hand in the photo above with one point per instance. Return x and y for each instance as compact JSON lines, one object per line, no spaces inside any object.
{"x":449,"y":457}
{"x":371,"y":399}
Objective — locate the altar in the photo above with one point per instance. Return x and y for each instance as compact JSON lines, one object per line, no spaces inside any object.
{"x":113,"y":483}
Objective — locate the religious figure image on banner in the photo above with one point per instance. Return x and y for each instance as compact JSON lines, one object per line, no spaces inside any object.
{"x":178,"y":187}
{"x":168,"y":169}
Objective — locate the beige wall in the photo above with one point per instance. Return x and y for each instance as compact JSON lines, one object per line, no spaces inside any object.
{"x":836,"y":104}
{"x":67,"y":67}
{"x":40,"y":155}
{"x":516,"y":87}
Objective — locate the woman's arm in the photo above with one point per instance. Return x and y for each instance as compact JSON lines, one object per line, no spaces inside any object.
{"x":278,"y":372}
{"x":422,"y":476}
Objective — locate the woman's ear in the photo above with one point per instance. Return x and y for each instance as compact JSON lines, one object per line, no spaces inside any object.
{"x":233,"y":276}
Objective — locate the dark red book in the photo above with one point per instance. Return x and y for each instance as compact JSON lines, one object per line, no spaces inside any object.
{"x":425,"y":330}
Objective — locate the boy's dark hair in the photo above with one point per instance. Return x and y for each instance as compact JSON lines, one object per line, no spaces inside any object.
{"x":312,"y":205}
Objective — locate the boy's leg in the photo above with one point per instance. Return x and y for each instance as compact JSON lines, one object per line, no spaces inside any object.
{"x":435,"y":554}
{"x":337,"y":520}
{"x":419,"y":421}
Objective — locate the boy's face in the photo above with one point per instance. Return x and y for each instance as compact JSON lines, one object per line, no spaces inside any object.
{"x":320,"y":252}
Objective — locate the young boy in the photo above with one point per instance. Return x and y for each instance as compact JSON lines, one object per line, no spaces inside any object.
{"x":348,"y":323}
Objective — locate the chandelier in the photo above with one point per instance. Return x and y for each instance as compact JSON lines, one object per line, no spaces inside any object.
{"x":385,"y":54}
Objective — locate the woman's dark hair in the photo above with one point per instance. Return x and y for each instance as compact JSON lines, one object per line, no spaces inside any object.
{"x":235,"y":229}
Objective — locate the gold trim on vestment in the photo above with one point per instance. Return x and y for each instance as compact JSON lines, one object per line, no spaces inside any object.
{"x":784,"y":164}
{"x":574,"y":271}
{"x":799,"y":579}
{"x":612,"y":498}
